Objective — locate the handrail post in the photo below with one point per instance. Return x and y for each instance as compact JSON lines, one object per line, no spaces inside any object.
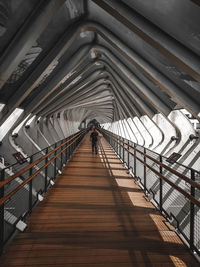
{"x":46,"y":172}
{"x":74,"y":146}
{"x":120,"y":148}
{"x":69,"y":151}
{"x":123,"y":149}
{"x":161,"y":186}
{"x":61,"y":158}
{"x":66,"y":152}
{"x":135,"y":173}
{"x":192,"y":212}
{"x":70,"y":148}
{"x":30,"y":187}
{"x":55,"y":162}
{"x":145,"y":173}
{"x":2,"y":214}
{"x":128,"y":156}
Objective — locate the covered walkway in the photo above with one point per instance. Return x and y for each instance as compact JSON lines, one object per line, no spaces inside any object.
{"x":95,"y":215}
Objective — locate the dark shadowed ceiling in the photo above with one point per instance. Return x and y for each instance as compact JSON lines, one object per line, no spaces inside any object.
{"x":106,"y":59}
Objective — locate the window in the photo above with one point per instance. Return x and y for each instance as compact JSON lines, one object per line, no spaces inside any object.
{"x":7,"y":125}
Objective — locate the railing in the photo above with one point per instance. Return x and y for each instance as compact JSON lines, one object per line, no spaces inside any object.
{"x":174,"y":188}
{"x":23,"y":185}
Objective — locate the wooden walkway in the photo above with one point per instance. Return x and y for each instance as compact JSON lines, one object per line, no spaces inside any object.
{"x":95,"y":215}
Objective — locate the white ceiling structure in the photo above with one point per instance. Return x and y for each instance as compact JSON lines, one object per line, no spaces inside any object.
{"x":106,"y":60}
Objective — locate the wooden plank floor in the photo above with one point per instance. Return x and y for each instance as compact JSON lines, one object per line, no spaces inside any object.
{"x":96,"y":215}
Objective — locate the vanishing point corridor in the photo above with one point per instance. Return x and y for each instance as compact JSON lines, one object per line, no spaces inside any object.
{"x":95,"y":215}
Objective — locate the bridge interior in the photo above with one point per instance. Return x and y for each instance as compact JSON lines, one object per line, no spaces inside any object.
{"x":130,"y":67}
{"x":96,"y":215}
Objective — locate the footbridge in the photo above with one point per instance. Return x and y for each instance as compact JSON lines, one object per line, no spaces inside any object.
{"x":131,"y":69}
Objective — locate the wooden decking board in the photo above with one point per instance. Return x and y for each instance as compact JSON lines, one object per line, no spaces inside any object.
{"x":96,"y":216}
{"x":92,"y":163}
{"x":91,"y":167}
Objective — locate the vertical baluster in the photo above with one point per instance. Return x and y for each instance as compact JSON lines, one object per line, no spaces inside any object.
{"x":61,"y":157}
{"x":66,"y":151}
{"x":2,"y":213}
{"x":128,"y":156}
{"x":161,"y":186}
{"x":135,"y":172}
{"x":145,"y":178}
{"x":30,"y":187}
{"x":69,"y":149}
{"x":46,"y":171}
{"x":120,"y":148}
{"x":123,"y":148}
{"x":192,"y":212}
{"x":55,"y":162}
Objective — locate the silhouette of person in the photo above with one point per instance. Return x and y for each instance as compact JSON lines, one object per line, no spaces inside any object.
{"x":94,"y":138}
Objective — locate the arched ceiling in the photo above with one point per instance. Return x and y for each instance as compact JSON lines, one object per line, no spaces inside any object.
{"x":99,"y":59}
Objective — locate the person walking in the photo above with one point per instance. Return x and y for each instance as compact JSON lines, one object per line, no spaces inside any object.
{"x":94,"y":140}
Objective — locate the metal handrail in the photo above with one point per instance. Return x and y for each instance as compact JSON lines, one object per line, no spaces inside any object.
{"x":11,"y":178}
{"x":156,"y":153}
{"x":186,"y":179}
